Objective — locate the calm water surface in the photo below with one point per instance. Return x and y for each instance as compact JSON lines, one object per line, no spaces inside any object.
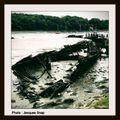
{"x":32,"y":42}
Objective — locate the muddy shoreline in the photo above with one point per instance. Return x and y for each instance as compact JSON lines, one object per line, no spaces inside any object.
{"x":85,"y":90}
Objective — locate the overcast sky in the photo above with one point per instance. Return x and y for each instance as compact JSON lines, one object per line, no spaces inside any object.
{"x":102,"y":15}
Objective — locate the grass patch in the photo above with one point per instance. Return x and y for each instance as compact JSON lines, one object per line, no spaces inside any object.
{"x":103,"y":103}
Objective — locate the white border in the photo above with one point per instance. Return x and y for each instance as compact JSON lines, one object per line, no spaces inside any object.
{"x":79,"y":112}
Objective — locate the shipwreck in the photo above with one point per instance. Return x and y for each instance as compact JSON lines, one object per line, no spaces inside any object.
{"x":31,"y":69}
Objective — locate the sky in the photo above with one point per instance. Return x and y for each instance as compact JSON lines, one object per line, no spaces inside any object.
{"x":102,"y":15}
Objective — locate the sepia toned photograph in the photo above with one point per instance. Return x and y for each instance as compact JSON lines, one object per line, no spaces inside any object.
{"x":59,"y":60}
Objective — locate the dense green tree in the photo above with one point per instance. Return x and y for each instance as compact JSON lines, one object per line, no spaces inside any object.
{"x":52,"y":23}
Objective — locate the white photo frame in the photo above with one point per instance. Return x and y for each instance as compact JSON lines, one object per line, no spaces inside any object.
{"x":49,"y":112}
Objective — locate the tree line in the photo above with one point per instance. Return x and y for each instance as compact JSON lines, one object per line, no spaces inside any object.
{"x":20,"y":21}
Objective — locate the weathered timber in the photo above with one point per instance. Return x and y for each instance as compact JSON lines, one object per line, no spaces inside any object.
{"x":84,"y":64}
{"x":53,"y":90}
{"x":100,"y":40}
{"x":23,"y":76}
{"x":44,"y":67}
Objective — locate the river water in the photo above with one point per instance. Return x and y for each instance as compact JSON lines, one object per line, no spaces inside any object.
{"x":26,"y":43}
{"x":83,"y":91}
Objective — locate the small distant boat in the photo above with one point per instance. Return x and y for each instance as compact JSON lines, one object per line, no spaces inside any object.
{"x":75,"y":36}
{"x":57,"y":32}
